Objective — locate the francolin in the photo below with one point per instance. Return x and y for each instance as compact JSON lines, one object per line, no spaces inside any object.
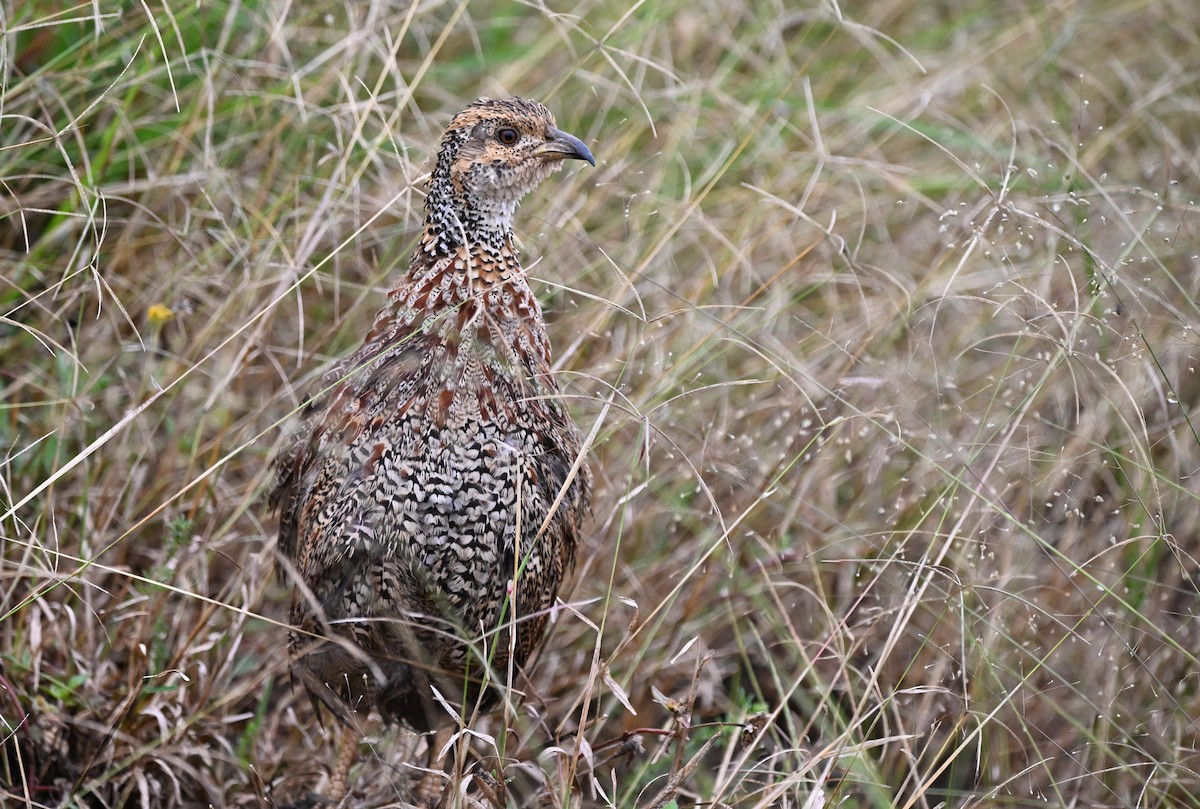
{"x":431,"y":500}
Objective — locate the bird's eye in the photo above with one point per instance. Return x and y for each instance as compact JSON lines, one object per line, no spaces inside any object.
{"x":507,"y":135}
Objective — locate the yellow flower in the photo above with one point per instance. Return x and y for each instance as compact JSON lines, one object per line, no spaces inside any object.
{"x":159,"y":314}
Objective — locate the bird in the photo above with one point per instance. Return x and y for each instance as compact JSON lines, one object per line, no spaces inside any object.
{"x":434,"y":493}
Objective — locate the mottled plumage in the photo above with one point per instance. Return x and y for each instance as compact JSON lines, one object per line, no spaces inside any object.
{"x":418,"y":487}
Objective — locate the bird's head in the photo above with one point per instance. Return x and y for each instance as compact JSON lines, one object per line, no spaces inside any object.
{"x":494,"y":153}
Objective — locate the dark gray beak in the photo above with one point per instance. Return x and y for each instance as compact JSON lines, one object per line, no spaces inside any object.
{"x":563,"y":146}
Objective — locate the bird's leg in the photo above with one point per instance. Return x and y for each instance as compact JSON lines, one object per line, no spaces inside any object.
{"x":339,"y":779}
{"x":440,"y":739}
{"x":432,"y":787}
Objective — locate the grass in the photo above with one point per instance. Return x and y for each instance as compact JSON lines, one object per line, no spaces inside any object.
{"x":885,"y":318}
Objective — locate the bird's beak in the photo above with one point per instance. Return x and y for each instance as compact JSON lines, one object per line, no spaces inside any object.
{"x":562,"y":146}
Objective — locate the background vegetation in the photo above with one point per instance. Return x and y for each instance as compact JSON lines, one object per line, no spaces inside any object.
{"x":885,"y":315}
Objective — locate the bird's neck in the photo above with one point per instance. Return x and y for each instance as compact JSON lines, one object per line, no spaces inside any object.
{"x":454,"y":219}
{"x":474,"y":293}
{"x":471,"y":241}
{"x":464,"y":287}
